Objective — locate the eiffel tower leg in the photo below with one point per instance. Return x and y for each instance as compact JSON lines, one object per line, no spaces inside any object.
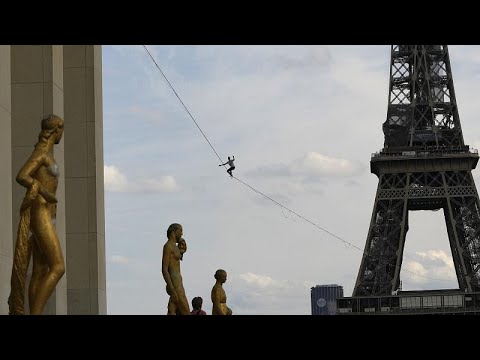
{"x":462,"y":217}
{"x":379,"y":272}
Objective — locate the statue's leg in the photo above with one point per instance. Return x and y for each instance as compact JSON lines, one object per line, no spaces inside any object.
{"x":171,"y":308}
{"x":49,"y":246}
{"x":39,"y":271}
{"x":183,"y":307}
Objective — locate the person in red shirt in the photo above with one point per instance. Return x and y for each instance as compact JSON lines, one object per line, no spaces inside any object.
{"x":197,"y":306}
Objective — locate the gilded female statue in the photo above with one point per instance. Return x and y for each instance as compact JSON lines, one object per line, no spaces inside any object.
{"x":219,"y":298}
{"x":37,"y":215}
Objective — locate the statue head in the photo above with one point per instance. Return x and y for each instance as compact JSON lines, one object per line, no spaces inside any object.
{"x":221,"y":275}
{"x":52,"y":125}
{"x":176,"y":230}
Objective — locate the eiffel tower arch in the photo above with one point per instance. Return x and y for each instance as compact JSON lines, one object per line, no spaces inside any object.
{"x":424,"y":165}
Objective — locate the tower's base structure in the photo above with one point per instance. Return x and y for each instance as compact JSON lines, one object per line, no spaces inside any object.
{"x":37,"y":80}
{"x":452,"y":301}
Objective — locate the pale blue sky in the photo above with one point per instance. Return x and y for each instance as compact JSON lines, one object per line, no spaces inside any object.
{"x":302,"y":122}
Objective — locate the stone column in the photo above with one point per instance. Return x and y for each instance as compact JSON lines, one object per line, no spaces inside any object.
{"x":6,"y":234}
{"x":85,"y":226}
{"x":36,"y":91}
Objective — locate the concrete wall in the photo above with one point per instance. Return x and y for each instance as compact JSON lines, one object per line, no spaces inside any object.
{"x":6,"y":234}
{"x":84,"y":179}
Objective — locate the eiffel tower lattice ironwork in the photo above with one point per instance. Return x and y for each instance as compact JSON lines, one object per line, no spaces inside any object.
{"x":424,"y":165}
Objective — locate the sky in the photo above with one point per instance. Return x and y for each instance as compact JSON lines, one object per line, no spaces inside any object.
{"x":302,"y":123}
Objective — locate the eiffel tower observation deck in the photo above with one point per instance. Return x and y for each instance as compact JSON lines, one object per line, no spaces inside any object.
{"x":424,"y":165}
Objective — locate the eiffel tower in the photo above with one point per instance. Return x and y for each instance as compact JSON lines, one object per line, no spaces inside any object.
{"x":424,"y":165}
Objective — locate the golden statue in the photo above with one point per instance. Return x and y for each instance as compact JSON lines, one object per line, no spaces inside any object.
{"x":37,"y":215}
{"x":219,"y":298}
{"x":172,"y":254}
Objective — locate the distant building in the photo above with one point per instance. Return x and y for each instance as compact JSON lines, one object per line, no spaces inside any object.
{"x":324,"y":299}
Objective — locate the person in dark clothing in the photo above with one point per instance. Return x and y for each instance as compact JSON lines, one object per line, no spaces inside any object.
{"x":230,"y":163}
